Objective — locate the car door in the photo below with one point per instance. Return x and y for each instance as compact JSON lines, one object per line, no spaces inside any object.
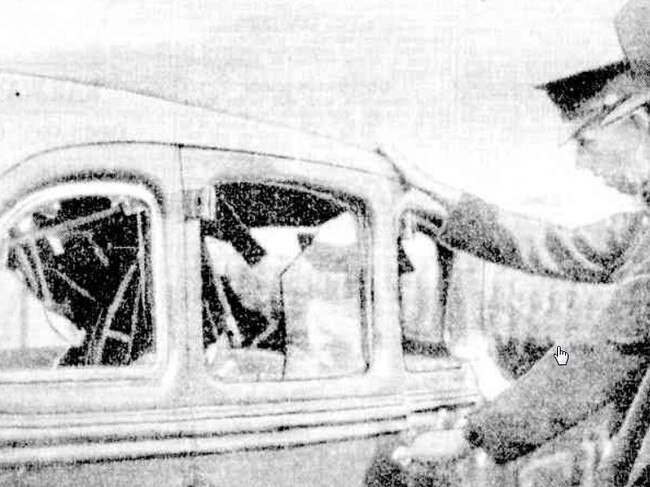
{"x":294,"y":346}
{"x":441,"y":388}
{"x":436,"y":378}
{"x":91,"y":361}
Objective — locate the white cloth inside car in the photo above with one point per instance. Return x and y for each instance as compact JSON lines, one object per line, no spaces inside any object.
{"x":26,"y":321}
{"x":322,"y":295}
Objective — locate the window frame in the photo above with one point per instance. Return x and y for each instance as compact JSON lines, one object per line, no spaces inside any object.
{"x":64,"y":190}
{"x":420,"y":224}
{"x":359,"y":208}
{"x":207,"y":166}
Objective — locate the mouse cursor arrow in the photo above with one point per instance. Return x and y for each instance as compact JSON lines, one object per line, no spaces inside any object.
{"x":561,"y":356}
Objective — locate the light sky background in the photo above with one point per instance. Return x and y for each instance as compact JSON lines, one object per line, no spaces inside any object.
{"x":448,"y":83}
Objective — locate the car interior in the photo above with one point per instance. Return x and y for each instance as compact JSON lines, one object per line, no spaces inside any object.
{"x":276,"y":261}
{"x":80,"y":272}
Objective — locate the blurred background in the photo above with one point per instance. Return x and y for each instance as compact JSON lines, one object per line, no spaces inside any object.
{"x":450,"y":83}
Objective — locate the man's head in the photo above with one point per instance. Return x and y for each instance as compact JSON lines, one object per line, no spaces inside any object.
{"x":609,"y":106}
{"x":617,"y":149}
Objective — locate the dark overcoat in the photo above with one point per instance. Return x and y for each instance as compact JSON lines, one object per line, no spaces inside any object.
{"x":607,"y":369}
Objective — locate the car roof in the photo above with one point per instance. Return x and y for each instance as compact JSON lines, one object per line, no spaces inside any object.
{"x":40,"y":113}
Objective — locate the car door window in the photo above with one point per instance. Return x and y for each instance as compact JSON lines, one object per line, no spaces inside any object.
{"x":76,"y":281}
{"x":283,"y":284}
{"x":421,"y":296}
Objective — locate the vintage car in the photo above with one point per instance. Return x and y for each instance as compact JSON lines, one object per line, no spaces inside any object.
{"x":195,"y":299}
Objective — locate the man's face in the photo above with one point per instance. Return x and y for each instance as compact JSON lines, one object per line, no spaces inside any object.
{"x":618,"y":153}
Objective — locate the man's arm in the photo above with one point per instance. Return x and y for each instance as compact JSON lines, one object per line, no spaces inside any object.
{"x":550,"y":400}
{"x":587,"y":254}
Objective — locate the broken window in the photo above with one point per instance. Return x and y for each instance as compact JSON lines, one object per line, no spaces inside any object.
{"x":283,"y":284}
{"x":76,"y":283}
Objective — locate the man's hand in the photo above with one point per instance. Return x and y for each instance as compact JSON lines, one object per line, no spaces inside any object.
{"x":433,"y":447}
{"x":474,"y":349}
{"x":413,"y":174}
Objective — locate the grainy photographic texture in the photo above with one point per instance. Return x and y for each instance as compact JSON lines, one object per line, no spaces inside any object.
{"x":337,"y":243}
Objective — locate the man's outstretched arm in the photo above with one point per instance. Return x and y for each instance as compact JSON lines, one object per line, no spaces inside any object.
{"x":586,"y":254}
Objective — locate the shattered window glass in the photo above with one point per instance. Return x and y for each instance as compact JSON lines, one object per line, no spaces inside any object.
{"x":283,"y":285}
{"x":76,"y":284}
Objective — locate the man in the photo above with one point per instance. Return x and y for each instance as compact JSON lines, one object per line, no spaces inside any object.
{"x":613,"y":136}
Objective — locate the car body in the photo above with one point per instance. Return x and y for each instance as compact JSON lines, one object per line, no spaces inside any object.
{"x":116,"y":401}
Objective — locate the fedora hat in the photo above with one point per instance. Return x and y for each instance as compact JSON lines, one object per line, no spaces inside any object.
{"x":612,"y":92}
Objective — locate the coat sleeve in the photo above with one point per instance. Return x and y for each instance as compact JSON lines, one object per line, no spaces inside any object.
{"x":550,"y":400}
{"x":586,"y":254}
